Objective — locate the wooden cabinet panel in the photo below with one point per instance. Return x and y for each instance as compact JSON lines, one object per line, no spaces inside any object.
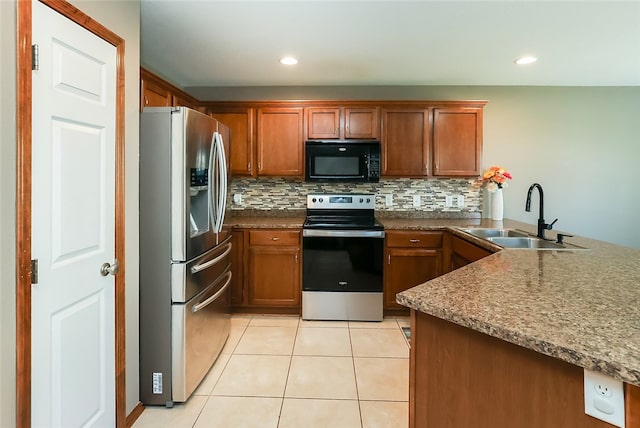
{"x":274,"y":276}
{"x":414,"y":239}
{"x":464,"y":252}
{"x":154,"y":95}
{"x":405,"y":142}
{"x":280,"y":141}
{"x":411,"y":258}
{"x":323,"y":123}
{"x":274,"y":237}
{"x":342,"y":123}
{"x":274,"y":268}
{"x":237,"y":266}
{"x":452,"y":368}
{"x":457,"y":141}
{"x":178,"y":101}
{"x":361,"y":123}
{"x":241,"y":126}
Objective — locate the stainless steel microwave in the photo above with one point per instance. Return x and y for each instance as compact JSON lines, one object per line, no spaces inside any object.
{"x":342,"y":160}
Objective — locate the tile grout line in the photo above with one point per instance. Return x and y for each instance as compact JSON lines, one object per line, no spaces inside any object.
{"x":286,"y":382}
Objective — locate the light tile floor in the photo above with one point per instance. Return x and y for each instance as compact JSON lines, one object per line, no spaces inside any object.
{"x":283,"y":372}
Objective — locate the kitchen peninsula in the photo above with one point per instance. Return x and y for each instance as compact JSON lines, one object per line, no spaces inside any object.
{"x":503,"y":342}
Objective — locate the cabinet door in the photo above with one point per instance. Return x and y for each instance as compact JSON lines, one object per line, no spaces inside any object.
{"x":241,"y":127}
{"x":280,"y":141}
{"x":178,"y":101}
{"x":323,"y":123}
{"x":405,"y":142}
{"x":154,"y":95}
{"x":406,"y":268}
{"x":464,"y":252}
{"x":274,"y":276}
{"x":361,"y":123}
{"x":457,"y":141}
{"x":237,"y":265}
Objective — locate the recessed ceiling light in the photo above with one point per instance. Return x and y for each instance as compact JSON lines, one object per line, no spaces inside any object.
{"x":288,"y":60}
{"x":525,"y":60}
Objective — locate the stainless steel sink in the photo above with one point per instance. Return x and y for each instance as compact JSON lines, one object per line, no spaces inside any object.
{"x":493,"y":233}
{"x":531,"y":243}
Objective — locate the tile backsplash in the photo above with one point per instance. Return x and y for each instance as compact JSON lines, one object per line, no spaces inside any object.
{"x":290,"y":194}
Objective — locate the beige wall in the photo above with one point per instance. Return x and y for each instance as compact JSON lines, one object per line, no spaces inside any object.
{"x":579,"y":143}
{"x":7,"y":213}
{"x":123,"y":18}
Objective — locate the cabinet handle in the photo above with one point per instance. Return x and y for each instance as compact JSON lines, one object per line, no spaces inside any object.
{"x":414,"y":241}
{"x":296,"y":258}
{"x":275,"y":238}
{"x":248,"y":166}
{"x":389,"y":259}
{"x":146,"y":101}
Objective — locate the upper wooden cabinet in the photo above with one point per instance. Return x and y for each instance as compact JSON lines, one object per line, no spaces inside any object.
{"x":156,"y":92}
{"x":280,"y":143}
{"x":342,"y":123}
{"x":240,"y":122}
{"x":457,"y":141}
{"x":405,"y":142}
{"x":323,"y":123}
{"x":154,"y":95}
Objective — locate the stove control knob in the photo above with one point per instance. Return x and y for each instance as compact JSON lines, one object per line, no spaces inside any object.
{"x":321,"y":200}
{"x":361,"y":200}
{"x":368,"y":200}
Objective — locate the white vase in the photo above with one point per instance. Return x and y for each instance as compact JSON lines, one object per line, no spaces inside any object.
{"x":497,"y":205}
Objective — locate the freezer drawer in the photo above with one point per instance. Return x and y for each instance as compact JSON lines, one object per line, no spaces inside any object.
{"x":189,"y":279}
{"x":199,"y":330}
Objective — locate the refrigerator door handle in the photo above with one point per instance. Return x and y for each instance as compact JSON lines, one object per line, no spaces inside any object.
{"x":222,"y":188}
{"x":210,"y":183}
{"x":211,"y":299}
{"x":203,"y":266}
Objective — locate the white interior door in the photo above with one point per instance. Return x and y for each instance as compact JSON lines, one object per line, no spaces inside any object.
{"x":73,"y":225}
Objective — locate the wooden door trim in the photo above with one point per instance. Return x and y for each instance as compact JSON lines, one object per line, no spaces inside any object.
{"x":23,"y":206}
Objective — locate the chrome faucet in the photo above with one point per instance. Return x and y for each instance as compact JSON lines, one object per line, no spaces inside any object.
{"x":542,"y":226}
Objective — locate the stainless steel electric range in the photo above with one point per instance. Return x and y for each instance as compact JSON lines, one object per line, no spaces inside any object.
{"x":343,"y":247}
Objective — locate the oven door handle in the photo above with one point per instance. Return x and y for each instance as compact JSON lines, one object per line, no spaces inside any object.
{"x":342,"y":233}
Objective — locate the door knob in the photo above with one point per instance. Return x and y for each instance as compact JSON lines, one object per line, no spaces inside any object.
{"x":107,"y":268}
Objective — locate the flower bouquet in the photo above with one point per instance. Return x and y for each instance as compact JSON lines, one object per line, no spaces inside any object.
{"x":496,"y":178}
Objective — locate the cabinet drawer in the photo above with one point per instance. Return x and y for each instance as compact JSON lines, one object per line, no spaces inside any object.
{"x":274,"y":237}
{"x":414,"y":239}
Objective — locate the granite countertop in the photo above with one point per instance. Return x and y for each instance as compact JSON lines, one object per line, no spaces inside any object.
{"x":582,"y":307}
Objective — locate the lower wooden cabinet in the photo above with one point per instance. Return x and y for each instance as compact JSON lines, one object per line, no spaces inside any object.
{"x":411,"y":258}
{"x":464,"y":252}
{"x":273,"y":269}
{"x":463,"y":378}
{"x":237,"y":268}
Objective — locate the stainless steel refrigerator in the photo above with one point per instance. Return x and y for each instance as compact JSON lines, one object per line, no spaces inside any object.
{"x":185,"y":249}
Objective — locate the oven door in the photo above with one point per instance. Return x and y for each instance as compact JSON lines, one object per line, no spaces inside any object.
{"x":342,"y":260}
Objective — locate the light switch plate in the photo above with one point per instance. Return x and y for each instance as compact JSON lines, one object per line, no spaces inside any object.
{"x":448,"y":201}
{"x":460,"y":201}
{"x":237,"y":198}
{"x":388,"y":200}
{"x":416,"y":201}
{"x":603,"y":398}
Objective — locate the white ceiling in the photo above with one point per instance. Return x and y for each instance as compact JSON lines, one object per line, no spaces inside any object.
{"x":238,"y":43}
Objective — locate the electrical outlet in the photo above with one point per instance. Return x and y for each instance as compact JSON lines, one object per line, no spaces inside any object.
{"x":416,"y":201}
{"x":388,"y":200}
{"x":603,"y":398}
{"x":237,"y":198}
{"x":448,"y":201}
{"x":460,"y":201}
